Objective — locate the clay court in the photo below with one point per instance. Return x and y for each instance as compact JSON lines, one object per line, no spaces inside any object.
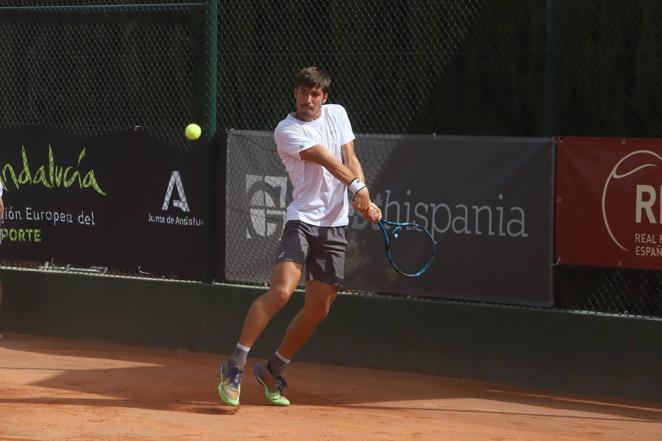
{"x":60,"y":389}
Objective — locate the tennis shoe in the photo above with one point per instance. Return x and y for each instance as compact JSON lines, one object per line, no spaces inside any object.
{"x":230,"y":386}
{"x":273,"y":386}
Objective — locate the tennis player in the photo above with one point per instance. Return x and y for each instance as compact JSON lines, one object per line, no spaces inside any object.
{"x":316,"y":145}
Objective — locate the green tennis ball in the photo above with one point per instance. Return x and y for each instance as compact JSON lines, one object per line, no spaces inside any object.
{"x":193,"y":131}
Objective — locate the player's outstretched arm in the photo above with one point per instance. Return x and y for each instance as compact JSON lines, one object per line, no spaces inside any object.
{"x":320,"y":155}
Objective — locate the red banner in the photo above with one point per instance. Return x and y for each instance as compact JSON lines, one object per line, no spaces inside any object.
{"x":609,"y":202}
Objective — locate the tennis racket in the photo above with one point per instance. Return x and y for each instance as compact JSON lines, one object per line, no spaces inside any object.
{"x":410,"y":248}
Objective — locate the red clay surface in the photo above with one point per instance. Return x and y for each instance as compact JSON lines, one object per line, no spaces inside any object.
{"x":57,"y":389}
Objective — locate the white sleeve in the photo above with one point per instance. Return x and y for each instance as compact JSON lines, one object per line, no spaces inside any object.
{"x":0,"y":189}
{"x":346,"y":133}
{"x":291,"y":140}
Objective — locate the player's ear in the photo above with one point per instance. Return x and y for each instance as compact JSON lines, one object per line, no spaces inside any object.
{"x":326,"y":96}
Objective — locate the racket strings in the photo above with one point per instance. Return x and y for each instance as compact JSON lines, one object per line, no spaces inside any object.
{"x":411,"y":249}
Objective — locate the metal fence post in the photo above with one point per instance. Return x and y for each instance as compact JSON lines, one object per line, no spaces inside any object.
{"x":212,"y":65}
{"x":211,"y":153}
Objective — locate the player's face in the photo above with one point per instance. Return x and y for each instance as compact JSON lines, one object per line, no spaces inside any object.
{"x":309,"y":102}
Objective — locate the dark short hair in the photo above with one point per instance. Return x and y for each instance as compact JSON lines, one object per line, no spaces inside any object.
{"x":311,"y":77}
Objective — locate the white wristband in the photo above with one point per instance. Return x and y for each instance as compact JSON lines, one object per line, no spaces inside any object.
{"x":356,"y":185}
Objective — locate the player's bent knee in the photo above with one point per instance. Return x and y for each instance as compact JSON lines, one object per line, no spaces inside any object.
{"x":278,"y":297}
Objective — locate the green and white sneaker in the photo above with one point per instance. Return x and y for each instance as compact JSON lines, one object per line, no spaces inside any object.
{"x":230,"y":386}
{"x":273,"y":386}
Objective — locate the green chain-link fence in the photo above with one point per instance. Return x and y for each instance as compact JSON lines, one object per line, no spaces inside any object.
{"x":610,"y":68}
{"x":466,"y":67}
{"x":92,"y":67}
{"x":452,"y":67}
{"x":609,"y":85}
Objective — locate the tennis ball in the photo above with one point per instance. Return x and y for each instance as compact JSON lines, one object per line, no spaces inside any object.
{"x":193,"y":131}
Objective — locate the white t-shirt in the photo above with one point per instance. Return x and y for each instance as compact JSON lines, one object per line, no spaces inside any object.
{"x":318,"y":197}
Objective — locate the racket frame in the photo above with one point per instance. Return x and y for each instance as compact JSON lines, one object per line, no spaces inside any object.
{"x":390,"y":229}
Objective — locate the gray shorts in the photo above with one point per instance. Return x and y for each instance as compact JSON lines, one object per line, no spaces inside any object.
{"x":321,"y":250}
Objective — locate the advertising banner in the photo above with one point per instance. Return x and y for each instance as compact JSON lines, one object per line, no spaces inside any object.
{"x":487,"y":201}
{"x":609,"y":202}
{"x":124,"y":201}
